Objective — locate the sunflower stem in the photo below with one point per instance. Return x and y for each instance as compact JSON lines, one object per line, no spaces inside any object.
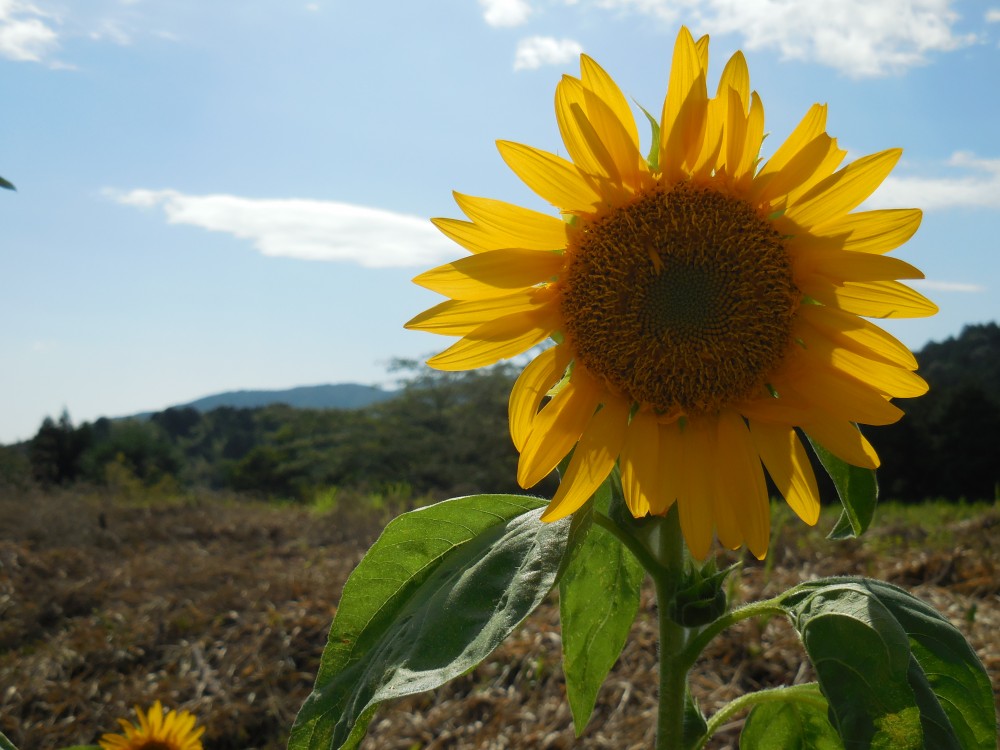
{"x":674,"y":666}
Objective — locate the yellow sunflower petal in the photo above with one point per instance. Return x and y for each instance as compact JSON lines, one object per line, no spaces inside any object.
{"x":874,"y":299}
{"x":743,"y":172}
{"x":684,"y":109}
{"x":736,"y":76}
{"x":786,"y":461}
{"x":842,"y":191}
{"x":554,"y":179}
{"x":532,"y":384}
{"x":671,"y":469}
{"x":499,"y":339}
{"x":813,"y":162}
{"x":592,"y":461}
{"x":628,"y":160}
{"x":697,"y":485}
{"x":741,"y":492}
{"x":461,"y":317}
{"x":868,"y":231}
{"x":522,"y":227}
{"x":839,"y":266}
{"x":492,"y":273}
{"x":582,"y":141}
{"x":736,"y":132}
{"x":640,"y":460}
{"x":473,"y":238}
{"x":858,"y":335}
{"x":843,"y":440}
{"x":839,"y":393}
{"x":889,"y":379}
{"x":557,"y":428}
{"x":597,"y":80}
{"x":812,"y":125}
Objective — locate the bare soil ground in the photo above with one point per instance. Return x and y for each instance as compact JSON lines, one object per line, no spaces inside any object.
{"x":221,"y":607}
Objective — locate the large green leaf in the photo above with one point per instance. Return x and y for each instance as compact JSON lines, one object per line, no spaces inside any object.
{"x":896,"y":673}
{"x":436,"y":593}
{"x":598,"y":601}
{"x":6,"y":744}
{"x":857,"y":489}
{"x":790,"y":725}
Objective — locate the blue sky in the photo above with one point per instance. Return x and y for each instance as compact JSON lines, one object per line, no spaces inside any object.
{"x":226,"y":195}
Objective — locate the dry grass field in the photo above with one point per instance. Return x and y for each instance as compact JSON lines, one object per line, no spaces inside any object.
{"x":221,"y":607}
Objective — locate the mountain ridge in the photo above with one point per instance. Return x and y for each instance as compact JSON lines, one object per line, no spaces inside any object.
{"x":323,"y":396}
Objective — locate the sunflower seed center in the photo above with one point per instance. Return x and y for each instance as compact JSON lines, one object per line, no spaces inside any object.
{"x":682,"y":300}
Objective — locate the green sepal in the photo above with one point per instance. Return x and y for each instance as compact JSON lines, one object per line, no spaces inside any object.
{"x":701,"y":598}
{"x":598,"y":602}
{"x":438,"y":591}
{"x":9,"y":186}
{"x":791,"y":725}
{"x":6,"y":744}
{"x":653,"y":159}
{"x":694,"y":724}
{"x":857,"y":489}
{"x":895,"y":672}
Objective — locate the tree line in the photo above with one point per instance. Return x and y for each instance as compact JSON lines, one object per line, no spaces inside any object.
{"x":445,"y":434}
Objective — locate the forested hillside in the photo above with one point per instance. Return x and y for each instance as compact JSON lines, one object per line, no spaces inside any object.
{"x":445,"y":434}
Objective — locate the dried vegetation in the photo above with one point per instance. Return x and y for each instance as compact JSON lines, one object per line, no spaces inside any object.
{"x":221,"y":607}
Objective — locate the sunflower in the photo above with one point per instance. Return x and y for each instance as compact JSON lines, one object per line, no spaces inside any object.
{"x":706,"y":310}
{"x":156,"y":730}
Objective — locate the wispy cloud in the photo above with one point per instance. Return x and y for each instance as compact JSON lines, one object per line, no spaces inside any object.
{"x":505,"y":12}
{"x":305,"y":229}
{"x":536,"y":51}
{"x":860,"y":38}
{"x":977,"y":187}
{"x":993,"y":15}
{"x":947,"y":286}
{"x":26,"y":32}
{"x":112,"y":31}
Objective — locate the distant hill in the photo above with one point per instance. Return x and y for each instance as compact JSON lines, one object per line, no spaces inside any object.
{"x":339,"y":396}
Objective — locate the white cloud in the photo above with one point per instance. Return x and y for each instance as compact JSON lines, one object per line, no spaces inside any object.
{"x":25,"y":33}
{"x":305,"y":229}
{"x":978,"y":187}
{"x":993,"y":15}
{"x":857,"y":37}
{"x":505,"y":12}
{"x":113,"y":31}
{"x":946,"y":286}
{"x":536,"y":51}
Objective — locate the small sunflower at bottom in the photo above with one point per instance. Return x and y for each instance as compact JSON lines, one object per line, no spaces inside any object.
{"x":156,"y":730}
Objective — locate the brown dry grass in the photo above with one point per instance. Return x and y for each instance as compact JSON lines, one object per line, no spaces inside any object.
{"x":221,"y":607}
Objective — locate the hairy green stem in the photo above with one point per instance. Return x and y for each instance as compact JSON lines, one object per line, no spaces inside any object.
{"x":797,"y":693}
{"x":667,"y":576}
{"x":633,"y":545}
{"x":705,"y":636}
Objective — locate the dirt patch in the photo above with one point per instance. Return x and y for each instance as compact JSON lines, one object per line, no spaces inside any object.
{"x":221,"y":607}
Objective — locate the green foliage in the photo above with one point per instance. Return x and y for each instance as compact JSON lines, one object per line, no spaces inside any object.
{"x":857,"y":489}
{"x":895,"y":672}
{"x":438,"y":591}
{"x":56,"y":450}
{"x":790,"y":725}
{"x":598,"y":601}
{"x":15,"y":469}
{"x":5,"y":184}
{"x":941,"y":447}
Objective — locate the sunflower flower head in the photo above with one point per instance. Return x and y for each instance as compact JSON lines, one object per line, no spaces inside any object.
{"x":708,"y":307}
{"x":156,"y":730}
